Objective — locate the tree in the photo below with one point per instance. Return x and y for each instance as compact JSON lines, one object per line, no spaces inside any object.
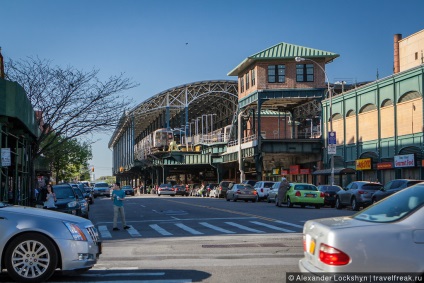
{"x":68,"y":159}
{"x":72,"y":103}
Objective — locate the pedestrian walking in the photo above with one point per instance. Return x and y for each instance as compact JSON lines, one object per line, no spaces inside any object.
{"x":118,"y":196}
{"x":50,"y":200}
{"x":282,"y":190}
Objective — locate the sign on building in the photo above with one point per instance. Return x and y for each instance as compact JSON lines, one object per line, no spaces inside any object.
{"x":5,"y":157}
{"x":406,"y":160}
{"x":332,"y":149}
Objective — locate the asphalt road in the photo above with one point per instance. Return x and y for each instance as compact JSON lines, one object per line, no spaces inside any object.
{"x":192,"y":239}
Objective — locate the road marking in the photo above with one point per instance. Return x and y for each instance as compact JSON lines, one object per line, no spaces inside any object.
{"x":133,"y":232}
{"x":219,"y":229}
{"x":271,"y":227}
{"x":160,"y":230}
{"x":104,"y":232}
{"x":289,"y":224}
{"x":188,"y":229}
{"x":244,"y":227}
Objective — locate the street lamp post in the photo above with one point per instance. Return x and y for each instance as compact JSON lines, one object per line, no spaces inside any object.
{"x":299,"y":59}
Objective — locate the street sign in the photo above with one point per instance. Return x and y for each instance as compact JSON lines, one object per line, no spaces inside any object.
{"x":332,"y":149}
{"x":331,"y":137}
{"x":5,"y":157}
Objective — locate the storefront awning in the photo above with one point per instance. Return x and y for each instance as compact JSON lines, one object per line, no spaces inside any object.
{"x":336,"y":171}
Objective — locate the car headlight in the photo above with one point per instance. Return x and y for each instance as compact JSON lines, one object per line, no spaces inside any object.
{"x":75,"y":231}
{"x":72,"y":204}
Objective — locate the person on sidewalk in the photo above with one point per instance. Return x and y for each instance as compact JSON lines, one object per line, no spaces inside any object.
{"x":282,"y":190}
{"x":118,"y":196}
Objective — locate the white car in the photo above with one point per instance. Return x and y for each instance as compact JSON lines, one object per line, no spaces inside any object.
{"x":263,"y":188}
{"x":166,"y":189}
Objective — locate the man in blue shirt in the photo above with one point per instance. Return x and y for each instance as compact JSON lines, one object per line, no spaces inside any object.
{"x":118,"y":196}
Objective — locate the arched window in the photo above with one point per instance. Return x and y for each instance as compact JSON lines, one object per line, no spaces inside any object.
{"x":367,"y":107}
{"x":409,"y":96}
{"x":350,"y":113}
{"x":386,"y":102}
{"x":337,"y":116}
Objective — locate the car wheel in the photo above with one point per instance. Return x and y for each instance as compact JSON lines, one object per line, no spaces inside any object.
{"x":317,"y":206}
{"x":354,"y":204}
{"x":374,"y":200}
{"x":158,"y":195}
{"x":302,"y":206}
{"x":268,"y":199}
{"x":289,"y":203}
{"x":226,"y":197}
{"x":338,"y":204}
{"x":234,"y":198}
{"x":246,"y":200}
{"x":31,"y":257}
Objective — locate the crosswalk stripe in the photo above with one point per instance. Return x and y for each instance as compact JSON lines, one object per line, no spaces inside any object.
{"x":133,"y":232}
{"x":219,"y":229}
{"x":289,"y":224}
{"x":244,"y":227}
{"x":104,"y":232}
{"x":271,"y":227}
{"x":160,"y":230}
{"x":188,"y":229}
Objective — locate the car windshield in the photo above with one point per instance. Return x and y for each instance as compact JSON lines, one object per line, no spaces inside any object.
{"x":268,"y":184}
{"x":394,"y":207}
{"x":64,"y":192}
{"x":305,"y":187}
{"x":101,"y":185}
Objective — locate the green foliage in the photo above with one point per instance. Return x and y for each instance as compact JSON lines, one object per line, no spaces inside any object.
{"x":69,"y":159}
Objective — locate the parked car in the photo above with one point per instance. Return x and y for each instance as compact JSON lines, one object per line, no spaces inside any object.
{"x":210,"y":187}
{"x":180,"y":190}
{"x":304,"y":194}
{"x":223,"y":187}
{"x":166,"y":189}
{"x":263,"y":188}
{"x":330,"y":192}
{"x":129,"y":191}
{"x":385,"y":237}
{"x":357,"y":194}
{"x":35,"y":242}
{"x":214,"y":193}
{"x":85,"y":207}
{"x":241,"y":192}
{"x":101,"y":189}
{"x":66,"y":197}
{"x":273,"y":193}
{"x":89,"y":194}
{"x":393,"y":187}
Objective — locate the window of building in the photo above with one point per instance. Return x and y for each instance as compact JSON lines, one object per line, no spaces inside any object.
{"x":253,"y":77}
{"x":241,"y":84}
{"x":304,"y":72}
{"x":247,"y":81}
{"x":276,"y":73}
{"x":416,"y":55}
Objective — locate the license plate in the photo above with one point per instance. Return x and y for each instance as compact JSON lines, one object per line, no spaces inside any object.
{"x":309,"y":195}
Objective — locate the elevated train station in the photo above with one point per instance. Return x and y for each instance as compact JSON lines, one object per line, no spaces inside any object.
{"x":264,"y":125}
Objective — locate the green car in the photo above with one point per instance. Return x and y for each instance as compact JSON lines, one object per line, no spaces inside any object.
{"x":304,"y":194}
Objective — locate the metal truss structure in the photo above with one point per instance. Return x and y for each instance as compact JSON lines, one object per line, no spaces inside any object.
{"x":180,"y":106}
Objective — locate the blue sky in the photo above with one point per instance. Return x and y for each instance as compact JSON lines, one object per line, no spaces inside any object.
{"x":146,"y":40}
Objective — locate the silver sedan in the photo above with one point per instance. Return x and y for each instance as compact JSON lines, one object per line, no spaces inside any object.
{"x":35,"y":242}
{"x":386,"y":237}
{"x":242,"y":192}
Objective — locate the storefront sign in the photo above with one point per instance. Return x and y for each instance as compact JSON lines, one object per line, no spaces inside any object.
{"x":384,"y":165}
{"x":5,"y":157}
{"x":407,"y":160}
{"x":294,"y":169}
{"x":275,"y":171}
{"x":284,"y":172}
{"x":363,"y":164}
{"x":305,"y":171}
